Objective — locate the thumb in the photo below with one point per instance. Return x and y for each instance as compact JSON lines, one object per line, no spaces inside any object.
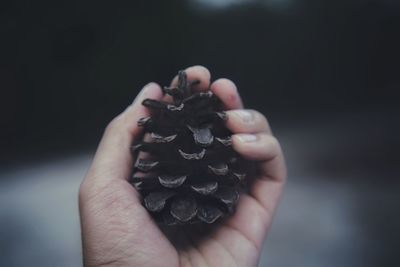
{"x":113,"y":159}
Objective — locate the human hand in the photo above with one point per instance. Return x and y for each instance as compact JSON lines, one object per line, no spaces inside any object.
{"x":118,"y":231}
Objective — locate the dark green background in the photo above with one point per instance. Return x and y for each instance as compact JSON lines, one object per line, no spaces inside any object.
{"x":325,"y":73}
{"x":68,"y":67}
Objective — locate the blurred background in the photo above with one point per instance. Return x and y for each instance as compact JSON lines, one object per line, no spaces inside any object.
{"x":325,"y":73}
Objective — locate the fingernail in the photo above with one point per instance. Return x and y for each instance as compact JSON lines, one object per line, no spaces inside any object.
{"x":246,"y":138}
{"x":245,"y":115}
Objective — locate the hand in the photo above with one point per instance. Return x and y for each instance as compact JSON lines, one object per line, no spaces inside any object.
{"x":118,"y":231}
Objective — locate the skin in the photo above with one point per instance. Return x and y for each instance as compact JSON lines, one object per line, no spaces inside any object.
{"x":118,"y":231}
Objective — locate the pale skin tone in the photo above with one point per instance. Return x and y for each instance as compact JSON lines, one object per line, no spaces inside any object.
{"x":118,"y":231}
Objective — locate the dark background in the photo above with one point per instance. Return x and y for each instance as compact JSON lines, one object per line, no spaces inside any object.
{"x":325,"y":73}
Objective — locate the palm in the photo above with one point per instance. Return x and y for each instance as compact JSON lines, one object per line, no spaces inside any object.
{"x":118,"y":231}
{"x":228,"y":245}
{"x":233,"y":243}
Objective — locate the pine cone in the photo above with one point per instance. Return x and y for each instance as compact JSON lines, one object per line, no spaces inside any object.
{"x":194,"y":175}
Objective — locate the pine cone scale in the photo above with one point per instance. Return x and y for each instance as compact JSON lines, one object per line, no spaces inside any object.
{"x":193,"y":173}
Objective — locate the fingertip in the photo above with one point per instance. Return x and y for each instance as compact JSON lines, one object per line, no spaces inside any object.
{"x":256,"y":146}
{"x":240,"y":142}
{"x":196,"y":73}
{"x":227,"y":91}
{"x":200,"y":70}
{"x":151,"y":90}
{"x":136,"y":110}
{"x":247,"y":121}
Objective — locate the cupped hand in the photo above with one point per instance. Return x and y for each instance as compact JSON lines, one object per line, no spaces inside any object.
{"x":118,"y":231}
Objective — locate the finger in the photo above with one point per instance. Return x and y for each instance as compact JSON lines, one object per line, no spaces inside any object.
{"x":265,"y":191}
{"x":196,"y":73}
{"x":264,"y":148}
{"x":113,"y":159}
{"x":247,"y":121}
{"x":227,"y":92}
{"x":267,"y":150}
